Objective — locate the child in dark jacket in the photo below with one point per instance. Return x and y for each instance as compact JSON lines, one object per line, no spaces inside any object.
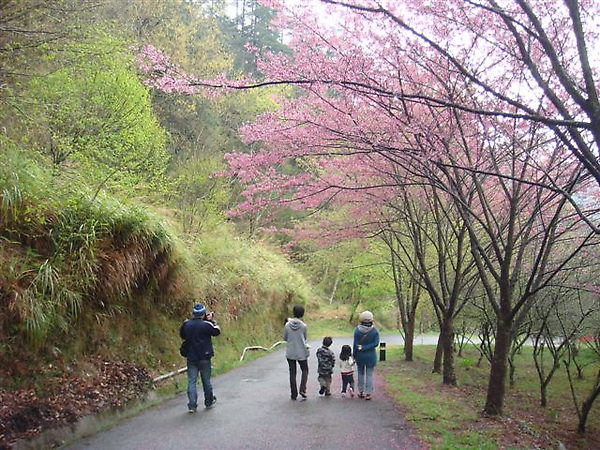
{"x":326,"y":360}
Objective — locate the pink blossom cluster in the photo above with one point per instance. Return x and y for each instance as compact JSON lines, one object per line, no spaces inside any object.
{"x":395,"y":97}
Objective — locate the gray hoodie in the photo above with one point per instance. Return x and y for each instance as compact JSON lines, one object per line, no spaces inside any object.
{"x":295,"y":335}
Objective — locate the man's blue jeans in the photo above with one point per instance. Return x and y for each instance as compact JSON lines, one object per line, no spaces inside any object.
{"x":365,"y":379}
{"x":194,"y":368}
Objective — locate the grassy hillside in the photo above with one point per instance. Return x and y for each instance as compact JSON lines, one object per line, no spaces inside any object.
{"x":86,"y":277}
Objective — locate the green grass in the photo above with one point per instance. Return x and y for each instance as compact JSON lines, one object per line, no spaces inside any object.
{"x":450,"y":417}
{"x":320,"y":329}
{"x":329,"y":321}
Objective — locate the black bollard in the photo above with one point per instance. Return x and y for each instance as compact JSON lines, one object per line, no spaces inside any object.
{"x":382,"y":351}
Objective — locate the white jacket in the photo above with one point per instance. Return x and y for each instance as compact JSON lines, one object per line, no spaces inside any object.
{"x":347,"y":366}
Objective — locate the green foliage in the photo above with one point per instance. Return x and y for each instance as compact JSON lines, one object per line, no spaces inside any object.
{"x":188,"y":31}
{"x":201,"y":132}
{"x":355,"y":274}
{"x":93,"y":113}
{"x":29,"y":29}
{"x":252,"y":24}
{"x":201,"y":199}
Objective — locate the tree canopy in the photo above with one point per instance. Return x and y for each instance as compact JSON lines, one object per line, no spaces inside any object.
{"x":494,"y":105}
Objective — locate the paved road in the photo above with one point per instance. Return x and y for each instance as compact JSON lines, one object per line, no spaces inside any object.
{"x":254,"y":411}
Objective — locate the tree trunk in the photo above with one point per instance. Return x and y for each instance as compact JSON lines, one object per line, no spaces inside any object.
{"x":409,"y":338}
{"x":497,"y":382}
{"x":512,"y":370}
{"x":586,"y":407}
{"x":439,"y":353}
{"x":449,"y":374}
{"x":335,"y":285}
{"x":543,"y":395}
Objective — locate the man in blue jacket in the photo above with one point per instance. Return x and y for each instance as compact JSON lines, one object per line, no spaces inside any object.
{"x":198,"y":332}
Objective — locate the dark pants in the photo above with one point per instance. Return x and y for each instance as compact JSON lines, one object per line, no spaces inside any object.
{"x":303,"y":379}
{"x":347,"y":380}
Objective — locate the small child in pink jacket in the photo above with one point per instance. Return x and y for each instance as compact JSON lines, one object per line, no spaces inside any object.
{"x":347,"y":370}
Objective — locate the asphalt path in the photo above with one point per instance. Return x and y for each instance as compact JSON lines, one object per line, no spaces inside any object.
{"x":254,"y":411}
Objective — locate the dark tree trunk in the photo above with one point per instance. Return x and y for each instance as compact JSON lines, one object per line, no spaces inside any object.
{"x":512,"y":370}
{"x":543,"y":395}
{"x":409,"y":338}
{"x":586,"y":407}
{"x":449,"y":374}
{"x":497,"y":383}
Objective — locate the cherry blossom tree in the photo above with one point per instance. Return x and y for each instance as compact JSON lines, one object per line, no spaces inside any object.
{"x":530,"y":61}
{"x":494,"y":105}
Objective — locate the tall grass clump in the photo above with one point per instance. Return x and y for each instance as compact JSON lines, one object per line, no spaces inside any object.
{"x":23,"y":185}
{"x":250,"y":287}
{"x":116,"y":248}
{"x":64,"y":252}
{"x":29,"y":285}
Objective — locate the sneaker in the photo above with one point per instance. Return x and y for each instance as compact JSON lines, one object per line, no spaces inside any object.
{"x":293,"y":398}
{"x":191,"y":410}
{"x":212,"y":402}
{"x":327,"y":393}
{"x":322,"y":390}
{"x":351,"y":392}
{"x":302,"y":396}
{"x":368,"y":397}
{"x":361,"y":395}
{"x":343,"y":394}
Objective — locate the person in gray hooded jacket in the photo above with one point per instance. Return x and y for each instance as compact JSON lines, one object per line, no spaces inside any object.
{"x":296,"y":352}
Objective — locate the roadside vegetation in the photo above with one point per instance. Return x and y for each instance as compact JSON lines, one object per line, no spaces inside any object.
{"x":451,"y":417}
{"x":85,"y":276}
